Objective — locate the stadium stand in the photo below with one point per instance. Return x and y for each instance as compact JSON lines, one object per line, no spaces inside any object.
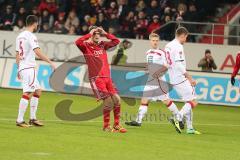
{"x":125,"y":18}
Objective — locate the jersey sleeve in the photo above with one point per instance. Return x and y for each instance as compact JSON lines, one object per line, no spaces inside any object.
{"x":113,"y":41}
{"x":34,"y":42}
{"x":80,"y":42}
{"x":237,"y":66}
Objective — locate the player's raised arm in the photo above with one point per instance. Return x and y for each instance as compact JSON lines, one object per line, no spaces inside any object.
{"x":113,"y":39}
{"x":43,"y":57}
{"x":235,"y":69}
{"x":80,"y":41}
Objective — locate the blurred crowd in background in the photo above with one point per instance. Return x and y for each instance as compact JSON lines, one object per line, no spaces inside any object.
{"x":124,"y":18}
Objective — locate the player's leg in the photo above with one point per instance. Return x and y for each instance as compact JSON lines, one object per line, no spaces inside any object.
{"x":178,"y":125}
{"x":117,"y":113}
{"x":23,"y":104}
{"x":98,"y":86}
{"x":187,"y":112}
{"x":187,"y":92}
{"x":107,"y":107}
{"x":142,"y":111}
{"x":26,"y":79}
{"x":33,"y":108}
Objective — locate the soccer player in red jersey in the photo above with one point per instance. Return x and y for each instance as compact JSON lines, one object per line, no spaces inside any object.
{"x":94,"y":51}
{"x":235,"y":70}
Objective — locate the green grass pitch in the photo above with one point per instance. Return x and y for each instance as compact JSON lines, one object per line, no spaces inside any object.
{"x":155,"y":140}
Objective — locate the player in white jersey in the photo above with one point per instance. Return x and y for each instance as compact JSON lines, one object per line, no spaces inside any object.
{"x":180,"y":79}
{"x":156,"y":87}
{"x":26,"y":49}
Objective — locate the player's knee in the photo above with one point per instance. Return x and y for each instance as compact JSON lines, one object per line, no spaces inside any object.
{"x":193,"y":103}
{"x":167,"y":102}
{"x":37,"y":93}
{"x":144,"y":101}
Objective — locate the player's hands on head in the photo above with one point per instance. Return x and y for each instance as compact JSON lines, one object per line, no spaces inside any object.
{"x":101,"y":30}
{"x":92,"y":31}
{"x":233,"y":80}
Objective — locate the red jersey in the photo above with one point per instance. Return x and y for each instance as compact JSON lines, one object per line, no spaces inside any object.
{"x":237,"y":66}
{"x":96,"y":55}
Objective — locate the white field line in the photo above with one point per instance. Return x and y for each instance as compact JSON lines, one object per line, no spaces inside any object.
{"x":147,"y":122}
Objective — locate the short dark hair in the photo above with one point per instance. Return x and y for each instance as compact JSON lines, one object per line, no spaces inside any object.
{"x":181,"y":30}
{"x":92,"y":27}
{"x":207,"y":51}
{"x":31,"y":19}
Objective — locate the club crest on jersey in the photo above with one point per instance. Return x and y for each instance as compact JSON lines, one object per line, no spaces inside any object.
{"x":180,"y":53}
{"x":97,"y":53}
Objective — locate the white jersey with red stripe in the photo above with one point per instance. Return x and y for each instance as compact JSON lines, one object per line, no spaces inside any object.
{"x":155,"y":89}
{"x":156,"y":56}
{"x":26,"y":42}
{"x":176,"y":59}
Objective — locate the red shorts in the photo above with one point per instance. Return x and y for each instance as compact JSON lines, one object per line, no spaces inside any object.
{"x":103,"y":87}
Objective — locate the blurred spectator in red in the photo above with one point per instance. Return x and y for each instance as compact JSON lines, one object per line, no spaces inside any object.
{"x":59,"y":24}
{"x":127,"y":26}
{"x":49,"y":5}
{"x":72,"y":19}
{"x":154,"y":25}
{"x":46,"y":18}
{"x":72,"y":30}
{"x":8,"y":18}
{"x":141,"y":6}
{"x":19,"y":26}
{"x":141,"y":25}
{"x":101,"y":21}
{"x":154,"y":9}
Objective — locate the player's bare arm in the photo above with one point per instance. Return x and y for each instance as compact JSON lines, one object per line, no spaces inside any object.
{"x":42,"y":56}
{"x":189,"y":77}
{"x":160,"y":72}
{"x":18,"y":58}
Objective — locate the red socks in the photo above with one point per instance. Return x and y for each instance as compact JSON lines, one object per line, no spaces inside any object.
{"x":106,"y":115}
{"x":116,"y":111}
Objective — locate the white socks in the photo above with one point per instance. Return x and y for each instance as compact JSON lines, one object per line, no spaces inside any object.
{"x":33,"y":107}
{"x":187,"y":112}
{"x":189,"y":120}
{"x":173,"y":108}
{"x":141,"y":113}
{"x":22,"y":108}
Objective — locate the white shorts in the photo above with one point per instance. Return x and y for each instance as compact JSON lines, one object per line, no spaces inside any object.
{"x":156,"y":89}
{"x":185,"y":90}
{"x":29,"y":80}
